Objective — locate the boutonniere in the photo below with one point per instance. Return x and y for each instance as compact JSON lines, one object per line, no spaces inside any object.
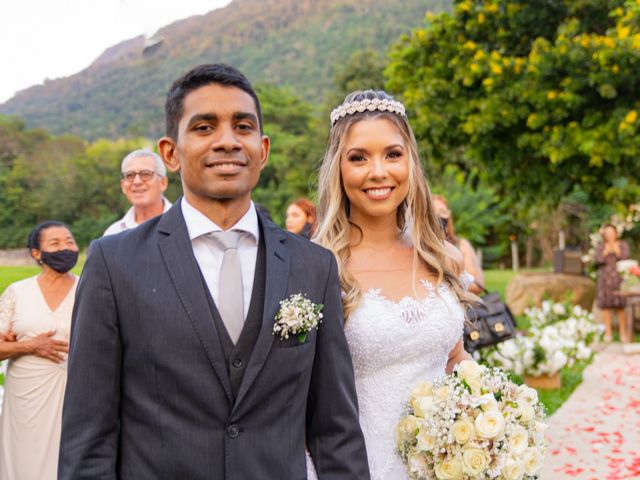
{"x":297,"y":316}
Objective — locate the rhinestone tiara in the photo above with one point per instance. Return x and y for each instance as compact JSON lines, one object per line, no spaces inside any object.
{"x":360,"y":106}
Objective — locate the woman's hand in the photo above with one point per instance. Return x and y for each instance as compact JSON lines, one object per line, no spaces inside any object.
{"x":46,"y":347}
{"x":457,"y":355}
{"x":8,"y":337}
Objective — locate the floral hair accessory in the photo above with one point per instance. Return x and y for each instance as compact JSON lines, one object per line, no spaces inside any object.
{"x":297,"y":316}
{"x":367,"y":105}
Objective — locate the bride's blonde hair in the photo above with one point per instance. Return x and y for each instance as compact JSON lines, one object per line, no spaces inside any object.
{"x":415,"y":216}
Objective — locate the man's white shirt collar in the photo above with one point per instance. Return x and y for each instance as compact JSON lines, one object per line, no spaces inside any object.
{"x":198,"y":224}
{"x":129,"y":219}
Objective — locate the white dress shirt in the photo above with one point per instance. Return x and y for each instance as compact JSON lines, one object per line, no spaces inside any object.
{"x":209,"y":255}
{"x":129,"y":220}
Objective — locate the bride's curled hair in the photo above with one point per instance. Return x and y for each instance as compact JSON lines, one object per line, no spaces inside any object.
{"x":416,"y":217}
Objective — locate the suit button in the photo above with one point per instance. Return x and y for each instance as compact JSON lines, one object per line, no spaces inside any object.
{"x":233,"y":431}
{"x":237,"y":363}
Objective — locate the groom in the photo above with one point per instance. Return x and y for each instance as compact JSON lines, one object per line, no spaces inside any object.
{"x":174,"y":370}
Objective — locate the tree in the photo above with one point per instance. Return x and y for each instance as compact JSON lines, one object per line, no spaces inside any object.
{"x":542,"y":97}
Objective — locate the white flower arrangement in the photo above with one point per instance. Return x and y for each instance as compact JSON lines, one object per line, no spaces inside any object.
{"x":630,"y":272}
{"x":472,"y":425}
{"x":297,"y":316}
{"x":560,"y":335}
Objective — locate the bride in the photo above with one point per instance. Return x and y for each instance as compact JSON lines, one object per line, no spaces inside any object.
{"x":402,"y":293}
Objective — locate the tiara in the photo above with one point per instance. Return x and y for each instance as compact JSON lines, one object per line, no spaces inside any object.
{"x":360,"y":106}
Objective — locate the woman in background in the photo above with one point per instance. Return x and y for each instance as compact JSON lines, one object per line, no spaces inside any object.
{"x":471,"y":264}
{"x":35,"y":320}
{"x":301,"y":218}
{"x":607,"y":255}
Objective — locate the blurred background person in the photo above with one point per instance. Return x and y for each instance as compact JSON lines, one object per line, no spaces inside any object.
{"x":143,"y":182}
{"x":301,"y":218}
{"x":35,"y":320}
{"x":607,"y":255}
{"x":471,"y":263}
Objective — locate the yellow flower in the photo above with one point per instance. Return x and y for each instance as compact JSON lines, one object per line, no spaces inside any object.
{"x":493,"y":8}
{"x":552,"y":94}
{"x":496,"y":69}
{"x":481,"y":18}
{"x":608,"y":42}
{"x":585,"y":42}
{"x":479,"y":55}
{"x":421,"y":34}
{"x":487,"y":82}
{"x":636,"y":41}
{"x":631,"y":117}
{"x":495,"y":55}
{"x":475,"y":68}
{"x":615,"y":69}
{"x":465,"y":6}
{"x":562,"y":49}
{"x":623,"y":32}
{"x":470,"y":45}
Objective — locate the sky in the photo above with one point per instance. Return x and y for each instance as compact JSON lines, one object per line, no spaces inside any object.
{"x":48,"y":39}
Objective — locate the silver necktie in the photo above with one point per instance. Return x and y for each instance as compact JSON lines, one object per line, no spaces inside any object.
{"x":230,"y":298}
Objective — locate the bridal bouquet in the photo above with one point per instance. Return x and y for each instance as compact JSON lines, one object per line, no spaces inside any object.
{"x":473,"y":424}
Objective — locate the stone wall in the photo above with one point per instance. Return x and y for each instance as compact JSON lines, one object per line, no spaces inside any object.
{"x":530,"y":288}
{"x":15,"y":258}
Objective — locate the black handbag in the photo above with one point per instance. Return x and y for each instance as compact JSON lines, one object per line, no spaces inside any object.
{"x":488,"y":323}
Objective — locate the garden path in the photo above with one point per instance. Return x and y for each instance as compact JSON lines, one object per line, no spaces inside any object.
{"x":595,"y":435}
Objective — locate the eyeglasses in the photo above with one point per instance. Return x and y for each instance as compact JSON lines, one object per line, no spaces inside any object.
{"x":145,"y":175}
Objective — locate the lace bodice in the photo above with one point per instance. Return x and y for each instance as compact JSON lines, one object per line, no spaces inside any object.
{"x":394,"y":346}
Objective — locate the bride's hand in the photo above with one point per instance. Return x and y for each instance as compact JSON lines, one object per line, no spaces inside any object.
{"x":457,"y":355}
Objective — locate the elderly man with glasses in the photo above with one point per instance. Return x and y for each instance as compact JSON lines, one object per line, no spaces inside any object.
{"x":143,"y":181}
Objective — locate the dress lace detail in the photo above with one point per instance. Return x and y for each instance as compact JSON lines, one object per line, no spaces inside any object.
{"x":395,"y":345}
{"x":7,"y":309}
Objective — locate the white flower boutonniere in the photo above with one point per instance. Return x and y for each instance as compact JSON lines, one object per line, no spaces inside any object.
{"x":297,"y":316}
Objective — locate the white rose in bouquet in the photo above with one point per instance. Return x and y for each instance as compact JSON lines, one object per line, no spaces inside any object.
{"x":518,"y":440}
{"x":463,"y":430}
{"x":490,"y":425}
{"x":527,"y":394}
{"x":525,"y":413}
{"x":471,"y":373}
{"x":512,"y":470}
{"x":532,"y":460}
{"x":426,"y":441}
{"x":422,"y":406}
{"x":474,"y":461}
{"x":449,"y":469}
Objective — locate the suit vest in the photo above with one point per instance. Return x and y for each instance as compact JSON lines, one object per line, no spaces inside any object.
{"x":237,"y":356}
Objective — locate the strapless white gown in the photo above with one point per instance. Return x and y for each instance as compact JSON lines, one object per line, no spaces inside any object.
{"x":394,"y":346}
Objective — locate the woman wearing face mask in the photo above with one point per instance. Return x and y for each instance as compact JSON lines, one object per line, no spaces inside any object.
{"x":301,"y":218}
{"x":35,"y":319}
{"x":471,"y":263}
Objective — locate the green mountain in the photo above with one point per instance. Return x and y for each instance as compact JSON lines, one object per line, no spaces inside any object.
{"x":295,"y":43}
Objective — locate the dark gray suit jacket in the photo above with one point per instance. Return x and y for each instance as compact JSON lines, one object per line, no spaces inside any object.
{"x":149,"y":394}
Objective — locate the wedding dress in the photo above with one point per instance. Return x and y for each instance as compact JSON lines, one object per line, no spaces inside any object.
{"x":394,"y":346}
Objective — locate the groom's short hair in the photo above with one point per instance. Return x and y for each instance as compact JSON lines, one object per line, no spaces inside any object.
{"x":200,"y":76}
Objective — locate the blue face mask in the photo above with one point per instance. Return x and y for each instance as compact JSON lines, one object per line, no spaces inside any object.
{"x":61,"y":261}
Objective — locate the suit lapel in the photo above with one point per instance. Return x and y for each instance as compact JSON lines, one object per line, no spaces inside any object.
{"x":177,"y":253}
{"x":277,"y":278}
